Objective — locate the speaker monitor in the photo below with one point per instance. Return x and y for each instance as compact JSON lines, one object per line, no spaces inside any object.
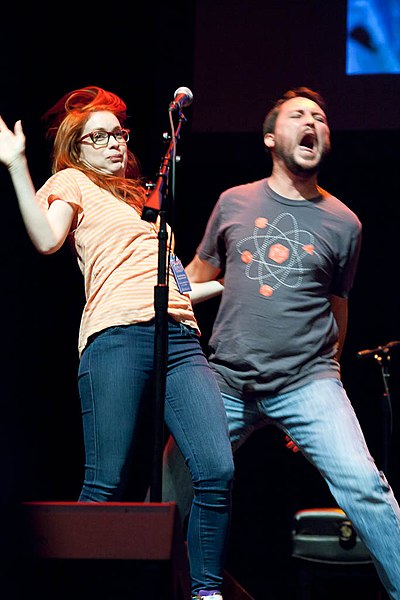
{"x":332,"y":557}
{"x":326,"y":535}
{"x":107,"y":551}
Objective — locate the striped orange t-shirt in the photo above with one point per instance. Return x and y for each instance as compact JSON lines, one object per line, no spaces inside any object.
{"x":117,"y":253}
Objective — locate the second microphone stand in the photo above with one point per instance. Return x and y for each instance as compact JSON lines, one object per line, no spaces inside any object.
{"x":383,"y":360}
{"x":156,"y":206}
{"x":382,"y":356}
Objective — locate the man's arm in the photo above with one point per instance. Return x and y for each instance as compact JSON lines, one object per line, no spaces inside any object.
{"x":203,"y":279}
{"x":340,"y":312}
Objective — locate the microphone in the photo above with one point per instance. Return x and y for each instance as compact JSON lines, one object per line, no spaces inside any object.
{"x":182,"y":97}
{"x":385,"y":349}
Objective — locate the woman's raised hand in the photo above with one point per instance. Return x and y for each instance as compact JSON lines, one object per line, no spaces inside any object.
{"x":12,"y":143}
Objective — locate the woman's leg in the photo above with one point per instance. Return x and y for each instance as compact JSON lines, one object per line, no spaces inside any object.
{"x":243,"y":419}
{"x":114,"y":375}
{"x":196,"y":418}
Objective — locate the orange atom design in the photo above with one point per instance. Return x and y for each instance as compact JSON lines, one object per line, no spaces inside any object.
{"x":261,"y":222}
{"x":247,"y":257}
{"x":278,"y":253}
{"x":266,"y":290}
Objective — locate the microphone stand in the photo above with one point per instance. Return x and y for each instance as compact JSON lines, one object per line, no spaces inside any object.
{"x":157,"y":206}
{"x":382,"y":356}
{"x":383,"y":360}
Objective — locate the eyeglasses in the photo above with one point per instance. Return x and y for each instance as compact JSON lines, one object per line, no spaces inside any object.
{"x":101,"y":138}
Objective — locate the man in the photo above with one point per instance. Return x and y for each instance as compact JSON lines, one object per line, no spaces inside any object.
{"x":287,"y":251}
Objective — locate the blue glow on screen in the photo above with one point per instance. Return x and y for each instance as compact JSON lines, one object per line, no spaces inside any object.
{"x":373,"y":37}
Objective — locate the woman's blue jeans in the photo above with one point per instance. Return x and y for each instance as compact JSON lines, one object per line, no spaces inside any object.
{"x":321,"y":421}
{"x":116,"y":376}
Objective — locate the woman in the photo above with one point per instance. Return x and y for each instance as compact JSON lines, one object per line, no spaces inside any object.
{"x":95,"y":197}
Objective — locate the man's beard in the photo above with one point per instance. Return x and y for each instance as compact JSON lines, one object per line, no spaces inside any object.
{"x":297,"y":169}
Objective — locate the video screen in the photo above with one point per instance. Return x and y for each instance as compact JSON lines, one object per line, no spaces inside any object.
{"x":248,"y":53}
{"x":373,"y":37}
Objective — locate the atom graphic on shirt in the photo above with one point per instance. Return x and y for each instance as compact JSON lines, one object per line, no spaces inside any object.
{"x":275,"y":251}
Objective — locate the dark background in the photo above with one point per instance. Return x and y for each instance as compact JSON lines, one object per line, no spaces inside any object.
{"x":236,"y":57}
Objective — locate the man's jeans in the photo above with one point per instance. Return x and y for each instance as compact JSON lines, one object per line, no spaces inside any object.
{"x":320,"y":420}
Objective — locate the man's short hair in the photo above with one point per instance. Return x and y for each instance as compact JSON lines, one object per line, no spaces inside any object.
{"x":298,"y":92}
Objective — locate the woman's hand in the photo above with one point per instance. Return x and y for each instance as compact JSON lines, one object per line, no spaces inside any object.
{"x":12,"y":144}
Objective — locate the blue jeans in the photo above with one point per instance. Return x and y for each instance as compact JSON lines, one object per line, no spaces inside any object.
{"x":321,"y":421}
{"x":116,"y":376}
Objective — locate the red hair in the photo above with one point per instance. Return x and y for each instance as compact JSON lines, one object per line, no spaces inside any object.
{"x":65,"y":122}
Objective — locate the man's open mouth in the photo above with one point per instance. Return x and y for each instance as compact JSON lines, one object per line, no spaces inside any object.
{"x":308,"y":141}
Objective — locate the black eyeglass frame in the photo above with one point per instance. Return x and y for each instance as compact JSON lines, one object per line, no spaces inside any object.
{"x":90,"y":135}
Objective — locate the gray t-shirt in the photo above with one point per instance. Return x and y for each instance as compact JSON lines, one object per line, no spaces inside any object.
{"x":281,"y":259}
